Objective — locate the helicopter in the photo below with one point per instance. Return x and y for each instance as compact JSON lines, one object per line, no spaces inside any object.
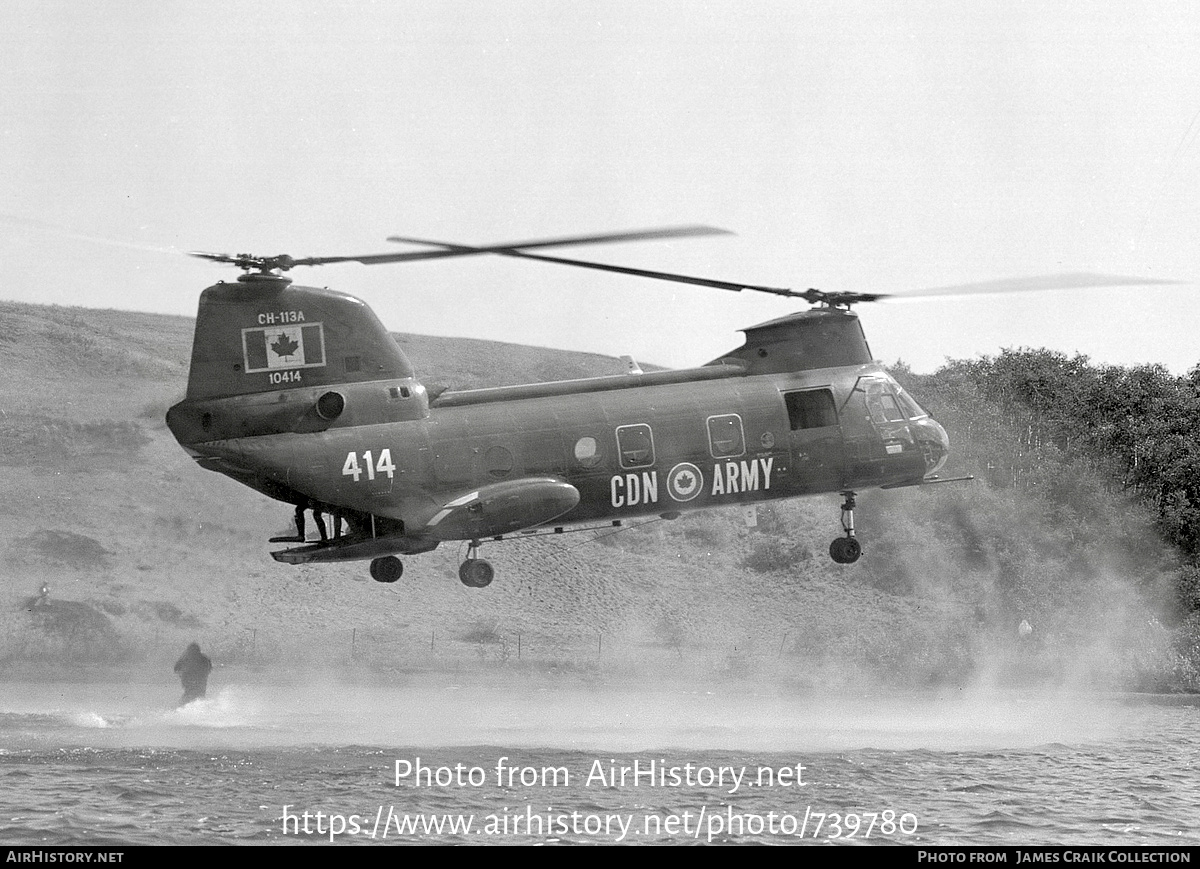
{"x":303,"y":395}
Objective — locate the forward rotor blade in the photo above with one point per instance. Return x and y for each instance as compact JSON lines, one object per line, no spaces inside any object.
{"x":1039,"y":283}
{"x":647,"y":273}
{"x":1065,"y":281}
{"x":625,"y":270}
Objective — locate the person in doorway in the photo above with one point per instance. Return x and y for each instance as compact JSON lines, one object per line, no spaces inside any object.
{"x":318,"y":518}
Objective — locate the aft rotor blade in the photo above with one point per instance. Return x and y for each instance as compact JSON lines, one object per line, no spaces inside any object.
{"x":1039,"y":283}
{"x":689,"y":231}
{"x":449,"y":249}
{"x":55,"y":229}
{"x":285,"y":262}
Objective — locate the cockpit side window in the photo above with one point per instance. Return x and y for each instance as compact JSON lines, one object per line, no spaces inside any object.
{"x":891,"y":410}
{"x":887,"y":402}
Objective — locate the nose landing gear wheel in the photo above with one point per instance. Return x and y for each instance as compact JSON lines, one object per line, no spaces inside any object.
{"x":389,"y":568}
{"x":476,"y":573}
{"x":845,"y":550}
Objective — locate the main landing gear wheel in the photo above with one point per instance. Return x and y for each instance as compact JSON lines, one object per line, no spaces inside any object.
{"x":847,"y":549}
{"x":476,"y":573}
{"x":389,"y":568}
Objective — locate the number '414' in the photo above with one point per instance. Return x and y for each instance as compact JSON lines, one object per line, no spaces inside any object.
{"x":372,"y":466}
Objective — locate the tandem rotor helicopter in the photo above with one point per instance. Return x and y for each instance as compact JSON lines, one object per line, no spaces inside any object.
{"x":302,"y":394}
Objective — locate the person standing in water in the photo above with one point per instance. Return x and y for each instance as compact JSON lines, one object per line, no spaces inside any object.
{"x":193,"y":669}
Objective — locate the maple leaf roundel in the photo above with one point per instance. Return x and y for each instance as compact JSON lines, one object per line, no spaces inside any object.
{"x":684,"y":482}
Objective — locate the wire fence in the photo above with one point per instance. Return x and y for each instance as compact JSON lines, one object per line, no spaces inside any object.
{"x":434,"y":649}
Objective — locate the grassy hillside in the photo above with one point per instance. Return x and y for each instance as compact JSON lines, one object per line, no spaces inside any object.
{"x":143,"y":552}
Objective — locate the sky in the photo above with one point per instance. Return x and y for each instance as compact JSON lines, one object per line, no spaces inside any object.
{"x":874,"y":147}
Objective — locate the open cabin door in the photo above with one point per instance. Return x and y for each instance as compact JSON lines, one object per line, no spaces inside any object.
{"x":817,"y":442}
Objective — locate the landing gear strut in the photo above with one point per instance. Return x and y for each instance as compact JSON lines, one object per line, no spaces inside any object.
{"x":475,"y":572}
{"x":389,"y":568}
{"x":846,"y":550}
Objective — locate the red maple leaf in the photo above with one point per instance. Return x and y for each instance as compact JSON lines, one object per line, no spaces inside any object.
{"x":284,"y":345}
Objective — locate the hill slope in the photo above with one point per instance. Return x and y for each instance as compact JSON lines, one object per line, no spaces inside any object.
{"x":143,"y":551}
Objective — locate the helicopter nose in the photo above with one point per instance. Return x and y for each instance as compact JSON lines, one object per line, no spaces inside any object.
{"x":933,"y":441}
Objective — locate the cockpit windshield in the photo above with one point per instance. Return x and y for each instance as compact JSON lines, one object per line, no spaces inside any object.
{"x":911,"y":409}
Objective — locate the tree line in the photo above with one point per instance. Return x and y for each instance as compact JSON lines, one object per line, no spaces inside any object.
{"x":1057,"y":425}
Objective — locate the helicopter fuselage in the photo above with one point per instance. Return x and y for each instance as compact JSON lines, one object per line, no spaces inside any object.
{"x":300,"y":394}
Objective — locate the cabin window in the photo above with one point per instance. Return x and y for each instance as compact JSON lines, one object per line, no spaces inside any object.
{"x":587,"y":453}
{"x":725,"y":436}
{"x":635,"y":443}
{"x":812,"y":408}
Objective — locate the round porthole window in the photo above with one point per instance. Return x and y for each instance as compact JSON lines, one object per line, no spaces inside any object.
{"x":499,"y":462}
{"x":586,"y":452}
